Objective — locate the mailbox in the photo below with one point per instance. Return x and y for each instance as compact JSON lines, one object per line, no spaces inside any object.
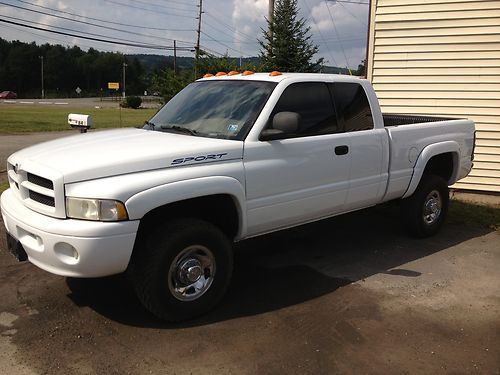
{"x":82,"y":122}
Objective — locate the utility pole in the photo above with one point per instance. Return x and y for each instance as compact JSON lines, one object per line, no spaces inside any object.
{"x":197,"y":55}
{"x":123,"y":75}
{"x":175,"y":59}
{"x":270,"y":17}
{"x":43,"y":91}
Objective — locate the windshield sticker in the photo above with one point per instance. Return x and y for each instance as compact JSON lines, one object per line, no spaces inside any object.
{"x":232,"y":128}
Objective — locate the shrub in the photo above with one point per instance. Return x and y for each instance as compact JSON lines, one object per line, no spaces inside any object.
{"x":132,"y":102}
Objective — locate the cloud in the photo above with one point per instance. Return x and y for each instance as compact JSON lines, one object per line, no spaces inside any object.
{"x":253,"y":10}
{"x":236,"y":24}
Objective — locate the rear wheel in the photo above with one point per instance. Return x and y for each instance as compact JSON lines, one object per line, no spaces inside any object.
{"x":182,"y":269}
{"x":425,"y":211}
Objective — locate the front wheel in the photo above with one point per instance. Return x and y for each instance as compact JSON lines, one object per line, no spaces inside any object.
{"x":425,"y":211}
{"x":182,"y":269}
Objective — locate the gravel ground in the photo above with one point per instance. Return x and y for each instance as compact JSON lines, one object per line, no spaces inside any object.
{"x":347,"y":295}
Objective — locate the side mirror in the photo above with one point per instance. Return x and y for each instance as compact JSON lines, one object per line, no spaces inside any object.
{"x":284,"y":123}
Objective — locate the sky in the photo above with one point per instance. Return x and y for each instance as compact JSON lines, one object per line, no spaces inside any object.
{"x":338,"y":27}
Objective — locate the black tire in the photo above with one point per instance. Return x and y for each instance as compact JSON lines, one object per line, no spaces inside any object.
{"x":167,"y":257}
{"x":425,"y":211}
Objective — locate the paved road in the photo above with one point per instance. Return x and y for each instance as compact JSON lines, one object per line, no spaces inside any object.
{"x":148,"y":102}
{"x":348,"y":295}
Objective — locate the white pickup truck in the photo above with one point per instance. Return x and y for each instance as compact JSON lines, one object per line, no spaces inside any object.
{"x":230,"y":157}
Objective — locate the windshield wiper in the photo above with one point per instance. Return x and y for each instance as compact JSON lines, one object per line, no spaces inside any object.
{"x":150,"y":124}
{"x":180,"y":129}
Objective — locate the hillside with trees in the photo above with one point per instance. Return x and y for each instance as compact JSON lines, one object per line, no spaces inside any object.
{"x":67,"y":68}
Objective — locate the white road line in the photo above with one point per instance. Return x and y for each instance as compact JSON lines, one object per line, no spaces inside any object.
{"x":61,"y":103}
{"x":45,"y":102}
{"x":27,"y":102}
{"x":9,"y":101}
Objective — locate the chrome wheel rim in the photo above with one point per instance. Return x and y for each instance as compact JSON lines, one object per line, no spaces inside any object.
{"x":191,"y":273}
{"x":432,"y":207}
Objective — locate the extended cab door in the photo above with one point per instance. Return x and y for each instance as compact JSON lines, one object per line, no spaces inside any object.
{"x":303,"y":176}
{"x":369,"y":146}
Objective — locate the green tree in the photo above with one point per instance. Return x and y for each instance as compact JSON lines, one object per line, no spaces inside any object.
{"x":211,"y":64}
{"x":289,"y":47}
{"x":361,"y":71}
{"x":169,"y":84}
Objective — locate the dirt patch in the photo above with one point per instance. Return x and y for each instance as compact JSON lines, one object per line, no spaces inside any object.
{"x":317,"y":299}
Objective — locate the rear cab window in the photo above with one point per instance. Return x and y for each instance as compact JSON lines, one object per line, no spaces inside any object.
{"x":352,"y":106}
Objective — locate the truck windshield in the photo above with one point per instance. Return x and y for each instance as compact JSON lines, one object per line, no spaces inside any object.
{"x":218,"y":109}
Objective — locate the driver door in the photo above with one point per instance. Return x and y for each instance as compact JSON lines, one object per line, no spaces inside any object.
{"x":303,"y":176}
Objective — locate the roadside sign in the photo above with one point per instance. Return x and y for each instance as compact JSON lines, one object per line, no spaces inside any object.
{"x":113,"y":85}
{"x":78,"y":90}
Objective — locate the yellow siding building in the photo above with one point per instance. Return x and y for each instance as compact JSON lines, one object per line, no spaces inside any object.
{"x":442,"y":58}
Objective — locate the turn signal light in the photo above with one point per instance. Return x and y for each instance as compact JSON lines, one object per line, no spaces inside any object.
{"x":221,"y":74}
{"x":246,"y":73}
{"x":275,"y":73}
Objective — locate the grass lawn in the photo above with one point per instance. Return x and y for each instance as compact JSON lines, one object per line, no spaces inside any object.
{"x":18,"y":119}
{"x":474,"y":214}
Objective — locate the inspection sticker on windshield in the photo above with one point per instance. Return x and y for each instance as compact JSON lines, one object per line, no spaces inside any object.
{"x":232,"y":128}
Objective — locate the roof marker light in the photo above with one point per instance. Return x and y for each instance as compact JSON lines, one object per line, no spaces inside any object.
{"x":221,"y":74}
{"x":247,"y":73}
{"x":233,"y":73}
{"x":275,"y":73}
{"x":208,"y":75}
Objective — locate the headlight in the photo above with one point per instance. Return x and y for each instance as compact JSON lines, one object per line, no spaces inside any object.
{"x":95,"y":209}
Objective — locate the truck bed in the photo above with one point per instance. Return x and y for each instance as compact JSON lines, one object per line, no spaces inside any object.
{"x":391,"y":119}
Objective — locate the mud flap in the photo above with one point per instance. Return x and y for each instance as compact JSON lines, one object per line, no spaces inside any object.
{"x":16,"y":249}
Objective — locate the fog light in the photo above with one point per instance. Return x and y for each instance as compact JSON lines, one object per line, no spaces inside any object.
{"x":66,"y":253}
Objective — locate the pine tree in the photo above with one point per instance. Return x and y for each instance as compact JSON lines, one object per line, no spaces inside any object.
{"x":290,"y":48}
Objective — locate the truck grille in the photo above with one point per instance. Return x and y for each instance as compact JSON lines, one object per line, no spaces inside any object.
{"x":37,"y":180}
{"x":41,"y":194}
{"x":43,"y":199}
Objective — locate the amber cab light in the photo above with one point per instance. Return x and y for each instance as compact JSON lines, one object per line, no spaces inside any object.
{"x":246,"y":73}
{"x":233,"y":73}
{"x":208,"y":75}
{"x":275,"y":73}
{"x":221,"y":74}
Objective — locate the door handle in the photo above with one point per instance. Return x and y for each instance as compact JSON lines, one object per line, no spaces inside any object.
{"x":341,"y":150}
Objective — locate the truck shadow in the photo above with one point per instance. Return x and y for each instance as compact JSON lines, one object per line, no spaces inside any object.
{"x":289,"y":267}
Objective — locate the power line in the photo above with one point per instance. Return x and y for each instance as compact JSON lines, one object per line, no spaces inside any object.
{"x":350,"y":2}
{"x":320,"y":33}
{"x":100,"y":19}
{"x":44,"y":36}
{"x":343,"y":40}
{"x":178,"y":2}
{"x":89,"y":23}
{"x":222,"y":44}
{"x":91,"y":38}
{"x":73,"y":30}
{"x":162,"y":6}
{"x":227,"y":34}
{"x":233,"y":29}
{"x":337,"y":34}
{"x":147,"y":10}
{"x":353,"y":15}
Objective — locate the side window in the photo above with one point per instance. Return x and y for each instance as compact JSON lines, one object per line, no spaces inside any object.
{"x":313,"y":102}
{"x":352,"y":106}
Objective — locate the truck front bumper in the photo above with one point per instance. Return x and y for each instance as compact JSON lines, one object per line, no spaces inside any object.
{"x":68,"y":247}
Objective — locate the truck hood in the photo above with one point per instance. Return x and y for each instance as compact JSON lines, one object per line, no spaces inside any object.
{"x":113,"y":152}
